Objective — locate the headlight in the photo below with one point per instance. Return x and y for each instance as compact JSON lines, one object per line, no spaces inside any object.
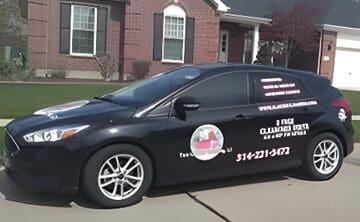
{"x":53,"y":135}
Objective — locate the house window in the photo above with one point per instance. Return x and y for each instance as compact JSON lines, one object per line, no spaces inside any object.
{"x":83,"y":30}
{"x":174,"y":34}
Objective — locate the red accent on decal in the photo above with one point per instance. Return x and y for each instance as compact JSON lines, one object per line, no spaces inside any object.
{"x":210,"y":143}
{"x":212,"y":136}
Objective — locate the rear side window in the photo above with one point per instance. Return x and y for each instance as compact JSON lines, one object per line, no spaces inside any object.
{"x":227,"y":90}
{"x":276,"y":87}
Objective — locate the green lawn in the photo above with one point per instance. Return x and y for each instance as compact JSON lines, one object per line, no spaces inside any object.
{"x":354,"y":98}
{"x":357,"y":130}
{"x":22,"y":99}
{"x":1,"y":142}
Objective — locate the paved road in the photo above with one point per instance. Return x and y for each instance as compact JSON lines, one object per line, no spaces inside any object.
{"x":271,"y":197}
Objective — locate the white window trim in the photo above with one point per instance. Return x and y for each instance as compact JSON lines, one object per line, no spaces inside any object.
{"x":174,"y":11}
{"x":72,"y":29}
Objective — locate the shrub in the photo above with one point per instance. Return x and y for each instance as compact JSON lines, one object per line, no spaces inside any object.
{"x":140,"y":69}
{"x":5,"y":70}
{"x":107,"y":65}
{"x":58,"y":74}
{"x":13,"y":72}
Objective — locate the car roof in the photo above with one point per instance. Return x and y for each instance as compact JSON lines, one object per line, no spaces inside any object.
{"x":313,"y":81}
{"x":213,"y":69}
{"x":220,"y":67}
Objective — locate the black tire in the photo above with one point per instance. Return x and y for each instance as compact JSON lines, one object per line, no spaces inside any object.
{"x":310,"y":170}
{"x":89,"y":180}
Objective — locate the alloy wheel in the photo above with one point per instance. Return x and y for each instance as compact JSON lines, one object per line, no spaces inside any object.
{"x":120,"y":176}
{"x":326,"y":157}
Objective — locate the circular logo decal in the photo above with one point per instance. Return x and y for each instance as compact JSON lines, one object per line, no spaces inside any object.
{"x":206,"y":142}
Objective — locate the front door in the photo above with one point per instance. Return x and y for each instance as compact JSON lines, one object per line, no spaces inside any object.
{"x":202,"y":145}
{"x":224,"y":46}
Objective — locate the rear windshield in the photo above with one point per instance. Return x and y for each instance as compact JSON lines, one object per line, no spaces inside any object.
{"x":150,"y":90}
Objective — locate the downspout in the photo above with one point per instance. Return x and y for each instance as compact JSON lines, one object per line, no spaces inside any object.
{"x":47,"y":42}
{"x":320,"y":52}
{"x":122,"y":43}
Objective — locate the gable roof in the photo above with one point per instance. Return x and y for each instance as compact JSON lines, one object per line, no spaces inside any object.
{"x":343,"y":13}
{"x":336,"y":12}
{"x":258,"y":8}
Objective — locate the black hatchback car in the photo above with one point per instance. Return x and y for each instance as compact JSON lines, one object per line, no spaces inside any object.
{"x":189,"y":124}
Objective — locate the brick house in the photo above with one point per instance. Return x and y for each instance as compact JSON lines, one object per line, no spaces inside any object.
{"x":205,"y":33}
{"x":170,"y":33}
{"x":164,"y":33}
{"x":64,"y":35}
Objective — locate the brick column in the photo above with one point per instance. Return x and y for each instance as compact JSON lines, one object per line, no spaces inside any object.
{"x":328,"y":51}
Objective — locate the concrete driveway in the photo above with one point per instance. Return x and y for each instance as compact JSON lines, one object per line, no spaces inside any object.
{"x":271,"y":197}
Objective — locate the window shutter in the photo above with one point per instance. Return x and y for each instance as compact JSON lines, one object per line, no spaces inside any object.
{"x":101,"y":31}
{"x":65,"y":15}
{"x":189,"y":40}
{"x":158,"y":36}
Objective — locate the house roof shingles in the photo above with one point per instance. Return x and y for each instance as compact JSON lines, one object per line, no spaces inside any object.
{"x":336,"y":12}
{"x":343,"y":13}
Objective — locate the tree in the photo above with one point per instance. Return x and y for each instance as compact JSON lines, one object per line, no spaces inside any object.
{"x":295,"y":23}
{"x":107,"y":65}
{"x":12,"y":24}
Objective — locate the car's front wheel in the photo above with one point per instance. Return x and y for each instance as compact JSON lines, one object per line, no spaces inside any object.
{"x":117,"y":176}
{"x":324,"y":157}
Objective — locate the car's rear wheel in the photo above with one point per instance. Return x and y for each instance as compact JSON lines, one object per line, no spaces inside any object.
{"x":117,"y":176}
{"x":324,"y":157}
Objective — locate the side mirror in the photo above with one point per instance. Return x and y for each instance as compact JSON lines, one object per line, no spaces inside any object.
{"x":184,"y":104}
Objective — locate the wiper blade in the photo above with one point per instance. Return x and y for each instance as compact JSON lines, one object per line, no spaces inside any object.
{"x":104,"y":99}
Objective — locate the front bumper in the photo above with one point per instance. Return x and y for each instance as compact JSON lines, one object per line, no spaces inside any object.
{"x":43,"y":168}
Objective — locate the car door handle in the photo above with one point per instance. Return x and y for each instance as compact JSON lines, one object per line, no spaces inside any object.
{"x":242,"y":117}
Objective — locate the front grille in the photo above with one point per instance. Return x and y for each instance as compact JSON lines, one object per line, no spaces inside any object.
{"x":10,"y":143}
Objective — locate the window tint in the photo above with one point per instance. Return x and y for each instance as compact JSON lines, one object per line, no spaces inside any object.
{"x":163,"y":109}
{"x":221,"y":91}
{"x":272,"y":88}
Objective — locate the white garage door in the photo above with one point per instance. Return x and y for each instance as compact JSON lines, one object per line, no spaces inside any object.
{"x":347,"y":62}
{"x":347,"y":69}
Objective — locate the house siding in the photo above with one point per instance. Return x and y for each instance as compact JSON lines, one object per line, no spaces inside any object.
{"x":139,"y":32}
{"x":44,"y":40}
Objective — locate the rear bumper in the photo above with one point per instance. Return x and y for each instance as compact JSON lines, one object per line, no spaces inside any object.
{"x":350,"y":144}
{"x":350,"y":137}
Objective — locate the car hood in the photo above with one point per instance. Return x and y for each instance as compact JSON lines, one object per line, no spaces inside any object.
{"x":79,"y":112}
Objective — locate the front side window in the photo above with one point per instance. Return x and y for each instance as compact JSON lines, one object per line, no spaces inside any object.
{"x":83,"y":30}
{"x":174,"y":34}
{"x":228,"y":90}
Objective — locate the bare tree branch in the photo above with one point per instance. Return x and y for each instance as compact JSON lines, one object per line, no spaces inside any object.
{"x":295,"y":23}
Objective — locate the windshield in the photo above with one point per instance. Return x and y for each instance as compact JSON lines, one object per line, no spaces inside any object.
{"x":147,"y":91}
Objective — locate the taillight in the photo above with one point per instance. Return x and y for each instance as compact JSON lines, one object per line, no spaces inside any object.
{"x":343,"y":103}
{"x":344,"y":107}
